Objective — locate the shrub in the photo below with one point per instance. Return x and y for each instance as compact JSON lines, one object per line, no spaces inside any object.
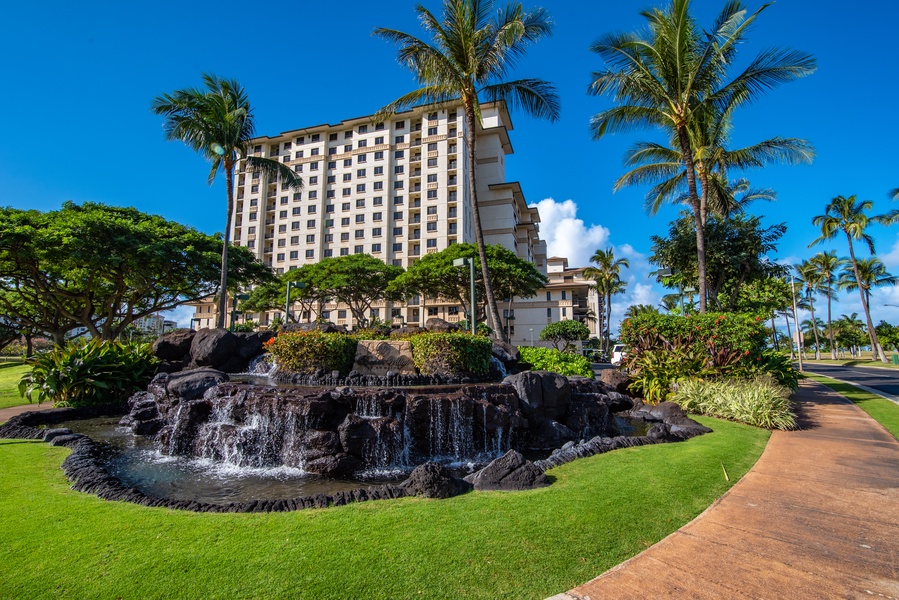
{"x":309,"y":351}
{"x":18,"y":348}
{"x":482,"y":328}
{"x":728,"y":331}
{"x":563,"y":363}
{"x":759,"y":401}
{"x":562,"y":333}
{"x":88,"y":373}
{"x":457,"y":354}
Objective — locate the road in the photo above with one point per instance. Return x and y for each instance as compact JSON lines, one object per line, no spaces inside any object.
{"x":884,"y":380}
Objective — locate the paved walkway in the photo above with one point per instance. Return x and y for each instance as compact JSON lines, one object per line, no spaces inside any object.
{"x":7,"y":413}
{"x":816,"y":517}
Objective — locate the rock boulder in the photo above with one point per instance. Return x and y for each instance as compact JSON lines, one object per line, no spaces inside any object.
{"x":510,"y":472}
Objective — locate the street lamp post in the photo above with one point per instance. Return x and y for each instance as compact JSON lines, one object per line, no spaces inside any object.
{"x":461,"y":262}
{"x":290,"y":285}
{"x":532,"y":337}
{"x":796,"y":317}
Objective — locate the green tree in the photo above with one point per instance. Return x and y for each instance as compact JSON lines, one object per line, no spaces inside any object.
{"x":675,"y":77}
{"x":103,"y":267}
{"x":849,"y":216}
{"x":736,"y":254}
{"x":357,"y":280}
{"x":434,"y":275}
{"x":812,"y":327}
{"x":850,"y":333}
{"x":273,"y":295}
{"x":217,"y":122}
{"x":888,"y":335}
{"x":765,"y":297}
{"x":562,"y":334}
{"x":871,"y":274}
{"x":471,"y":49}
{"x":635,"y":310}
{"x":607,"y":277}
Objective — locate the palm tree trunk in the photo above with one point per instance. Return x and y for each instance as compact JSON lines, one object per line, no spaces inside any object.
{"x":833,"y":351}
{"x":223,"y":284}
{"x":811,"y":305}
{"x":695,"y":204}
{"x":492,"y":310}
{"x":876,"y":350}
{"x":774,"y":333}
{"x":608,"y":321}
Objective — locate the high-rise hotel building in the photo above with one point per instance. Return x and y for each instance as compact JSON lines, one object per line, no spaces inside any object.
{"x":398,"y":190}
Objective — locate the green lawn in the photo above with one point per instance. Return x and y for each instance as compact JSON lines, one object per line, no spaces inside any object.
{"x":851,"y":362}
{"x":882,"y":410}
{"x":9,"y":379}
{"x":598,"y":512}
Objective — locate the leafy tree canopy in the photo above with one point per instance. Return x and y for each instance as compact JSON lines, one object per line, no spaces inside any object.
{"x":356,"y":280}
{"x":272,"y":295}
{"x":435,"y":275}
{"x":562,"y":333}
{"x":102,"y":267}
{"x":736,"y":254}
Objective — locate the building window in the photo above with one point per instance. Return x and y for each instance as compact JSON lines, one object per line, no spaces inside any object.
{"x":348,"y":148}
{"x":376,"y":216}
{"x":329,"y":253}
{"x":313,"y":195}
{"x":375,"y":248}
{"x":377,"y":201}
{"x":280,"y":256}
{"x":564,"y":312}
{"x":362,"y":144}
{"x":398,"y":185}
{"x":332,"y":137}
{"x":399,"y":125}
{"x":332,"y":165}
{"x":399,"y":139}
{"x":345,"y":236}
{"x":347,"y":191}
{"x":397,"y":169}
{"x":362,"y":128}
{"x":397,"y":231}
{"x":347,"y":135}
{"x":283,"y":199}
{"x":251,"y":244}
{"x":360,"y":233}
{"x":310,"y":239}
{"x":432,"y":162}
{"x":376,"y":232}
{"x":282,"y":214}
{"x":295,"y":225}
{"x":344,"y":221}
{"x":432,"y":194}
{"x":310,"y":253}
{"x":378,"y":186}
{"x":329,"y":237}
{"x":344,"y":251}
{"x":549,"y":296}
{"x":296,"y":210}
{"x":252,"y":216}
{"x":360,"y":218}
{"x":379,"y":140}
{"x":397,"y":215}
{"x":360,"y":172}
{"x":360,"y":188}
{"x":397,"y":247}
{"x":299,"y":195}
{"x":329,"y":208}
{"x":282,"y":228}
{"x":345,"y":206}
{"x":358,"y":249}
{"x":310,"y":223}
{"x":332,"y":151}
{"x":331,"y":194}
{"x":563,"y":296}
{"x":399,"y":154}
{"x":549,"y":313}
{"x":294,"y":254}
{"x":431,"y":243}
{"x":397,"y":200}
{"x":294,"y":240}
{"x":348,"y":162}
{"x":347,"y":176}
{"x":312,"y":210}
{"x":432,"y":227}
{"x":432,"y":178}
{"x":379,"y":156}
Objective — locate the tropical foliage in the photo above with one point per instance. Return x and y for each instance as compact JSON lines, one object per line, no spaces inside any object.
{"x":759,"y":401}
{"x":460,"y":354}
{"x":88,"y":373}
{"x":607,"y":279}
{"x":310,"y":351}
{"x":563,"y":363}
{"x":218,"y":123}
{"x":471,"y":49}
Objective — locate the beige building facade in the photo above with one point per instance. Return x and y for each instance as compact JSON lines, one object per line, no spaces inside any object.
{"x":397,"y":191}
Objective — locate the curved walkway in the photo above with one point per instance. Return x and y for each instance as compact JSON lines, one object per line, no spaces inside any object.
{"x":7,"y":413}
{"x":816,"y":517}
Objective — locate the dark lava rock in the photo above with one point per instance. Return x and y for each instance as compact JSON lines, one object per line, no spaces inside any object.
{"x":212,"y":347}
{"x":550,"y":434}
{"x":49,"y":434}
{"x":249,"y":345}
{"x":588,"y":414}
{"x":326,"y":327}
{"x":507,"y":353}
{"x":438,"y":325}
{"x":148,"y":427}
{"x":543,"y":395}
{"x":191,"y":385}
{"x":432,"y":480}
{"x":174,"y":345}
{"x":619,"y":402}
{"x":615,"y":379}
{"x":510,"y":472}
{"x":235,"y":364}
{"x":335,"y":465}
{"x":65,"y":440}
{"x":406,"y":331}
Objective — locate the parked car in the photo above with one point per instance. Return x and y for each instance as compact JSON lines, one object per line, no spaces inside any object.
{"x":619,"y":353}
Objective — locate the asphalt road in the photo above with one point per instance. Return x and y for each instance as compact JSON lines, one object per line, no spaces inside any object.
{"x":885,"y":380}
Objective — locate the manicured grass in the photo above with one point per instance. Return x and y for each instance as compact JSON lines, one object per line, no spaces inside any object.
{"x":851,"y":362}
{"x":598,"y":512}
{"x":9,"y":379}
{"x":882,"y":410}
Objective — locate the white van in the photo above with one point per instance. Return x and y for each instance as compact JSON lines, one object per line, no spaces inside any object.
{"x":619,"y":353}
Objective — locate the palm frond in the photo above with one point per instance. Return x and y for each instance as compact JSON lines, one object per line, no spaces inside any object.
{"x":536,"y":97}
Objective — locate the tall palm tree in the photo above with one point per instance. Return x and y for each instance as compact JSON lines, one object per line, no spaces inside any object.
{"x":471,"y":49}
{"x":849,"y":216}
{"x":607,"y":275}
{"x":826,"y":263}
{"x":217,"y":122}
{"x":676,"y":76}
{"x":851,"y":331}
{"x":813,"y":326}
{"x":811,"y":279}
{"x":635,"y":310}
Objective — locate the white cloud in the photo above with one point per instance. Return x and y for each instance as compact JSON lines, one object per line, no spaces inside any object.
{"x":568,"y":236}
{"x":891,"y":259}
{"x":181,"y":315}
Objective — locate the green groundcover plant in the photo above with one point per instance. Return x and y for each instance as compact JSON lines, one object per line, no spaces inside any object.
{"x":760,"y":401}
{"x":310,"y":351}
{"x":550,"y":359}
{"x":451,"y":353}
{"x":88,"y":373}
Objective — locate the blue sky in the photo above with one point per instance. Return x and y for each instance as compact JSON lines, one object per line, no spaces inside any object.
{"x":80,"y":79}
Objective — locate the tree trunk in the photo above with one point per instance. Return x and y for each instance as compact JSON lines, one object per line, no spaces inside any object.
{"x":811,"y":305}
{"x":774,"y":334}
{"x":876,"y":350}
{"x":696,"y":205}
{"x":29,"y":346}
{"x":833,"y":351}
{"x":492,"y":310}
{"x":223,"y":284}
{"x":608,"y":321}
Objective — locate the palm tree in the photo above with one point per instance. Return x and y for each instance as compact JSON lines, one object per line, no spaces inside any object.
{"x":472,"y":47}
{"x":676,"y":76}
{"x":217,"y":122}
{"x":811,"y":279}
{"x":848,"y":215}
{"x":813,"y":326}
{"x":607,"y":275}
{"x":635,"y":310}
{"x":827,"y":263}
{"x":850,"y":330}
{"x":872,"y":273}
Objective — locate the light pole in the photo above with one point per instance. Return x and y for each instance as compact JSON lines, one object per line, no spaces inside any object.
{"x":532,"y":337}
{"x":461,"y":262}
{"x":290,"y":285}
{"x":796,"y":317}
